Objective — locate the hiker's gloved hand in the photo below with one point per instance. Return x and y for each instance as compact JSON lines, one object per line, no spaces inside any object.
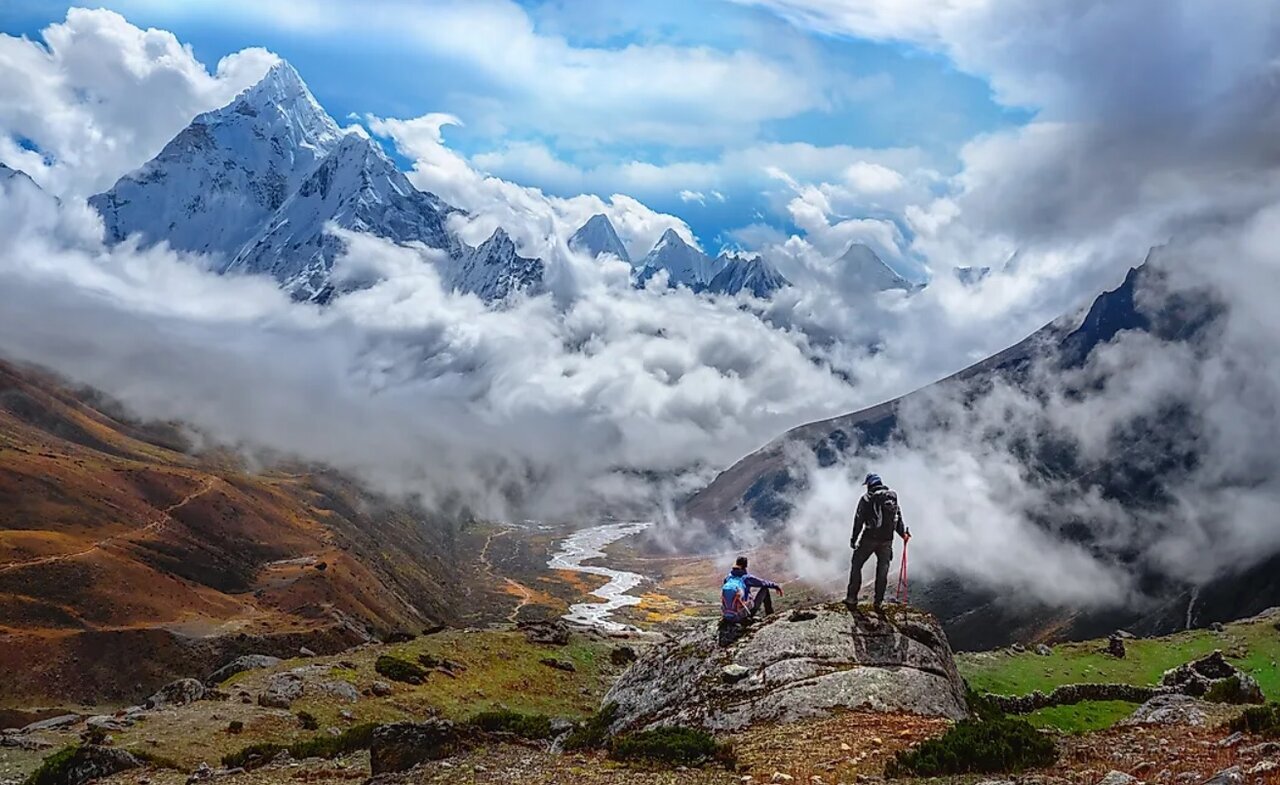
{"x":778,"y":589}
{"x":906,"y":535}
{"x":853,"y":542}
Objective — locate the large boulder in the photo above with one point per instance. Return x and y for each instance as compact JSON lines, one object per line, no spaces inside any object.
{"x":248,"y":662}
{"x":91,"y":762}
{"x":281,"y":691}
{"x":402,"y":745}
{"x":1213,"y":678}
{"x":790,"y":667}
{"x":176,"y":693}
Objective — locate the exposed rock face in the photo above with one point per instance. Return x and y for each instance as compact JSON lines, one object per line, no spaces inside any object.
{"x":248,"y":662}
{"x":403,"y":745}
{"x":552,"y":633}
{"x":177,"y":693}
{"x":1170,"y":710}
{"x":1214,"y":678}
{"x":282,"y":690}
{"x":796,"y":666}
{"x":92,"y":762}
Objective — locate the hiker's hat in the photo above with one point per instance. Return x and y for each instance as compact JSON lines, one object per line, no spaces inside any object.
{"x":872,"y":479}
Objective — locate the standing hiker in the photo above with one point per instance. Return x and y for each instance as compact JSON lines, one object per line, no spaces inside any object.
{"x":877,"y":519}
{"x":736,"y":602}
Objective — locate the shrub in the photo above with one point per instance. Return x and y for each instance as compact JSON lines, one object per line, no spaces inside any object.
{"x":357,"y":737}
{"x":981,"y":706}
{"x":528,"y":726}
{"x":1262,"y":720}
{"x":253,"y":756}
{"x":673,"y":746}
{"x":1228,"y":690}
{"x":594,"y":732}
{"x":308,"y":721}
{"x":53,"y":768}
{"x":397,"y":669}
{"x":997,"y":746}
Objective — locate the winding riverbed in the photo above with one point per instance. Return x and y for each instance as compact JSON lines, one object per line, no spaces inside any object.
{"x":588,"y":545}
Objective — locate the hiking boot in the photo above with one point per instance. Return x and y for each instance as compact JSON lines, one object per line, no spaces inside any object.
{"x":879,"y":608}
{"x":851,"y":604}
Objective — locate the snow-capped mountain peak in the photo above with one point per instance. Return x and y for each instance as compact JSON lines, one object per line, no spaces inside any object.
{"x":685,"y":265}
{"x":494,"y":269}
{"x":741,"y":272}
{"x":597,"y":236}
{"x":869,"y":272}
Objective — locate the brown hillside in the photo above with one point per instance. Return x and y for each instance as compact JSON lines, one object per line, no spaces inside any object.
{"x":126,"y":560}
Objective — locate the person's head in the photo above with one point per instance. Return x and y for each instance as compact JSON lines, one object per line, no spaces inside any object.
{"x":872,"y":481}
{"x":741,"y":562}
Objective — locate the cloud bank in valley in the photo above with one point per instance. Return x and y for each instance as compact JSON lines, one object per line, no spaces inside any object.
{"x":599,"y":396}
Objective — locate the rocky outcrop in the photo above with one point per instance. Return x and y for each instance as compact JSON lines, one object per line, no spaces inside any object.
{"x":1170,"y":710}
{"x":92,"y":762}
{"x":1214,"y":679}
{"x":248,"y":662}
{"x":176,"y":693}
{"x":282,"y":690}
{"x":402,"y":745}
{"x":790,"y":667}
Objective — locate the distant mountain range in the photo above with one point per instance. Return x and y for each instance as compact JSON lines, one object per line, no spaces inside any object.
{"x":258,"y":184}
{"x":1157,"y":454}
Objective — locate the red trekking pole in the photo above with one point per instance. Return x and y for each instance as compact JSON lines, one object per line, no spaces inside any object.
{"x":902,"y":574}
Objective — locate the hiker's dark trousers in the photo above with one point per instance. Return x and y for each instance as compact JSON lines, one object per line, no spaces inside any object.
{"x":763,"y":601}
{"x":883,"y":551}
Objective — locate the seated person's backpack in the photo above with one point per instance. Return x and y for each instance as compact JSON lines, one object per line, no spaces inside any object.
{"x":733,"y":598}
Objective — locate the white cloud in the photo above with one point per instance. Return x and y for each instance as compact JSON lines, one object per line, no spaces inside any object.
{"x":693,"y":196}
{"x":682,"y":95}
{"x":100,"y":97}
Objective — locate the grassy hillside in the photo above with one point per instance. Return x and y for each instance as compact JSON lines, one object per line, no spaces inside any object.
{"x":1252,"y":645}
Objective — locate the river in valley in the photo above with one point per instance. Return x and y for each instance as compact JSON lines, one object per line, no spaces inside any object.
{"x":588,"y":545}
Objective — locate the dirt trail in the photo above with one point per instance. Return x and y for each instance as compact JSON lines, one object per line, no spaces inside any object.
{"x":526,"y":594}
{"x":162,"y":519}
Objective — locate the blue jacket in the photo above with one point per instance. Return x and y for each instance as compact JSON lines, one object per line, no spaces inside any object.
{"x":751,"y":581}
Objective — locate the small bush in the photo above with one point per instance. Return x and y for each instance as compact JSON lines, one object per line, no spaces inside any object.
{"x":235,"y":726}
{"x":357,"y":737}
{"x":1228,"y":690}
{"x":53,"y":768}
{"x":308,"y":721}
{"x":1261,"y":720}
{"x":528,"y":726}
{"x":594,"y":732}
{"x":397,"y":669}
{"x":998,"y":746}
{"x":982,"y":707}
{"x":253,"y":756}
{"x":674,"y":746}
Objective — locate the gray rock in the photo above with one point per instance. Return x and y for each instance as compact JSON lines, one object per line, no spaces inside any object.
{"x":176,"y":693}
{"x":248,"y":662}
{"x":732,"y":674}
{"x":1264,"y":768}
{"x":340,"y":689}
{"x":1231,"y":776}
{"x":281,"y":691}
{"x":1232,"y":740}
{"x":92,"y":762}
{"x":1115,"y":646}
{"x":53,"y":723}
{"x":1213,"y":676}
{"x":403,"y":745}
{"x":547,"y":633}
{"x":560,"y":665}
{"x":305,"y":652}
{"x":380,"y":689}
{"x":1043,"y":650}
{"x":1118,"y":778}
{"x":836,"y":660}
{"x":108,"y":723}
{"x":23,"y":742}
{"x":1170,"y":710}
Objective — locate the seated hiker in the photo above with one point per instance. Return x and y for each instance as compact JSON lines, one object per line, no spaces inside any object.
{"x":877,"y":519}
{"x":736,"y":600}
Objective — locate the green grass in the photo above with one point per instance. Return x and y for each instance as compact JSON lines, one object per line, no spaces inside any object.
{"x":1082,"y":717}
{"x":326,"y":746}
{"x":1145,"y":663}
{"x":528,"y":726}
{"x":53,"y":768}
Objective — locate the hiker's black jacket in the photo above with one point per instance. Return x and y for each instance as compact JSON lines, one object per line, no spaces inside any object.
{"x":878,"y":515}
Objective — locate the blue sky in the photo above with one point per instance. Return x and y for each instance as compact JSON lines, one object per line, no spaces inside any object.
{"x":830,"y":92}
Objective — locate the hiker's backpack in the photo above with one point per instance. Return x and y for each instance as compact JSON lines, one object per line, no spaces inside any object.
{"x":884,"y":512}
{"x":733,"y":597}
